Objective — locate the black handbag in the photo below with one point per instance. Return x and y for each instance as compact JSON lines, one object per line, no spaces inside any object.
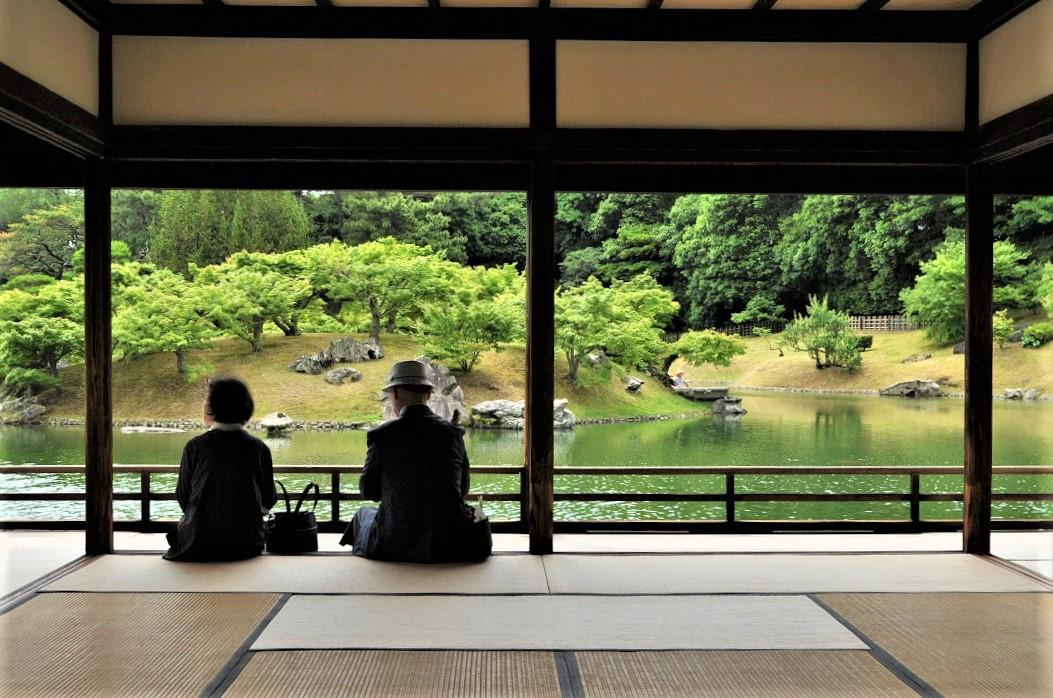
{"x":293,"y":531}
{"x":475,"y":541}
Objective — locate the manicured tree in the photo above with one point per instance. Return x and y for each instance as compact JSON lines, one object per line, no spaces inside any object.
{"x":1002,"y":328}
{"x":639,"y":248}
{"x":39,"y":329}
{"x":624,"y":320}
{"x":159,"y":312}
{"x":370,"y":216}
{"x":240,"y":296}
{"x":825,"y":335}
{"x":761,"y":308}
{"x":389,"y":279}
{"x":486,"y":310}
{"x":938,"y":297}
{"x":43,"y":241}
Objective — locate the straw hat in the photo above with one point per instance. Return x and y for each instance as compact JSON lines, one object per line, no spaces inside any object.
{"x":408,"y":373}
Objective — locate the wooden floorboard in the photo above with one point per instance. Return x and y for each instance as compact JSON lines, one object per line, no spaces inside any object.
{"x":961,"y":644}
{"x":380,"y":674}
{"x":807,"y":674}
{"x":85,"y":644}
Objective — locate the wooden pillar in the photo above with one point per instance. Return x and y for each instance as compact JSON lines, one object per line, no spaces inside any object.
{"x":540,"y":272}
{"x":979,"y":261}
{"x":98,"y":431}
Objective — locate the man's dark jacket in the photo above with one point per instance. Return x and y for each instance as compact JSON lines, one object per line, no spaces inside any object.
{"x":417,"y":468}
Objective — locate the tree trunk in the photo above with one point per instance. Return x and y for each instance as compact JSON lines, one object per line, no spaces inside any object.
{"x":180,"y":357}
{"x":392,"y":317}
{"x":572,"y":364}
{"x":257,"y":338}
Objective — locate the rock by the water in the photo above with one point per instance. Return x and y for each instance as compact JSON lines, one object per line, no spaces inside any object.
{"x":914,"y":358}
{"x":729,"y":405}
{"x":633,"y":384}
{"x":959,"y":348}
{"x":276,"y":421}
{"x":343,"y":350}
{"x":447,"y":398}
{"x":1013,"y":394}
{"x":1033,"y":394}
{"x":338,"y":376}
{"x":508,"y":414}
{"x":21,"y":410}
{"x":913,"y":388}
{"x":350,"y":350}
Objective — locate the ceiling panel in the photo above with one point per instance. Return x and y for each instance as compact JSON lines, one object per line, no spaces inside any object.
{"x":930,"y":4}
{"x":707,"y":4}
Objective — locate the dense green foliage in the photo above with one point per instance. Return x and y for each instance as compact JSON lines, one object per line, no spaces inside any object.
{"x":709,"y":347}
{"x":1002,"y":328}
{"x":825,"y":335}
{"x":1037,"y":334}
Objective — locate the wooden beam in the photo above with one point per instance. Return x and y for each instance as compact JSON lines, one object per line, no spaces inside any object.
{"x":988,"y":15}
{"x":541,"y":284}
{"x":873,"y":5}
{"x":979,"y":241}
{"x":764,"y":4}
{"x":29,"y":106}
{"x":1016,"y":133}
{"x":654,"y":4}
{"x":434,"y":4}
{"x":93,"y":12}
{"x":324,"y":3}
{"x":98,"y":423}
{"x":524,"y":23}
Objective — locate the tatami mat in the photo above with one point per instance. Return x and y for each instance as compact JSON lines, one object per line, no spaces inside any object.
{"x":123,"y":644}
{"x":554,"y":622}
{"x":310,"y":574}
{"x":789,"y":674}
{"x":962,"y":644}
{"x":379,"y":674}
{"x":777,"y":574}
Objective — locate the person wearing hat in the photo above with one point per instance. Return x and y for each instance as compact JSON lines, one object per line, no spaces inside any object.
{"x":679,"y":381}
{"x":417,"y":468}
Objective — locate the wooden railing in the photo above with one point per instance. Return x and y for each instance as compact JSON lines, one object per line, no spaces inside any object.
{"x":335,"y":494}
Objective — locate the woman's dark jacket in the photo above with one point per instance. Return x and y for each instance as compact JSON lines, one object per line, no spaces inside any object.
{"x":226,"y":487}
{"x":417,"y":468}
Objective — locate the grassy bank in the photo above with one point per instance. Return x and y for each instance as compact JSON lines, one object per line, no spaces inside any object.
{"x":150,"y":388}
{"x":1014,"y":367}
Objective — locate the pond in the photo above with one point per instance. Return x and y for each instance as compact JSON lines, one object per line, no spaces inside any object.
{"x":780,"y":429}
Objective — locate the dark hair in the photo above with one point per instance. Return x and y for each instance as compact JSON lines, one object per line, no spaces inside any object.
{"x":229,"y":401}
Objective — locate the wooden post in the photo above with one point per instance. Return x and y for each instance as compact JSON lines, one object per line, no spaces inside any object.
{"x":540,"y":272}
{"x":98,"y":431}
{"x":979,"y":261}
{"x":541,"y":204}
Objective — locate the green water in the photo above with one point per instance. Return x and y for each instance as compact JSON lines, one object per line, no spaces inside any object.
{"x":780,"y":429}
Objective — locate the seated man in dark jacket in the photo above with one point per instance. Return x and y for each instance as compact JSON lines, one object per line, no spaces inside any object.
{"x":226,"y":482}
{"x":417,"y":468}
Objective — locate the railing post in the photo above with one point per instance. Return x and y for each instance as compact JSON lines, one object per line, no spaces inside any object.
{"x":144,"y":498}
{"x":334,"y":495}
{"x":729,"y":497}
{"x":915,"y":499}
{"x":524,"y":499}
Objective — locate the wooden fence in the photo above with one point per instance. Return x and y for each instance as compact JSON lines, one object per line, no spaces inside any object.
{"x":867,"y":324}
{"x":730,"y":522}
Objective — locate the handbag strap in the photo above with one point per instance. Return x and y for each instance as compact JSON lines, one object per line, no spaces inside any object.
{"x":303,"y":495}
{"x":285,"y":495}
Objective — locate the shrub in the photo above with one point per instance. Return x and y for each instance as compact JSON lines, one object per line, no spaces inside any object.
{"x":864,"y":342}
{"x":825,"y":335}
{"x":1002,"y":328}
{"x":1038,"y":334}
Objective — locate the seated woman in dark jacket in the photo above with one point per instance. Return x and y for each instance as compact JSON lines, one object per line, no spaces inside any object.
{"x":417,"y":468}
{"x":226,"y":483}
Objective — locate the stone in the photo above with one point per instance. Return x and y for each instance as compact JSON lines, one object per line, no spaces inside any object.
{"x":633,"y":384}
{"x":447,"y":398}
{"x":913,"y":388}
{"x":508,"y":414}
{"x":597,"y":358}
{"x":914,"y":358}
{"x":1033,"y":394}
{"x":1013,"y":394}
{"x":276,"y":422}
{"x":959,"y":348}
{"x":343,"y":350}
{"x":350,"y":350}
{"x":338,"y":376}
{"x":21,"y":410}
{"x":729,"y":406}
